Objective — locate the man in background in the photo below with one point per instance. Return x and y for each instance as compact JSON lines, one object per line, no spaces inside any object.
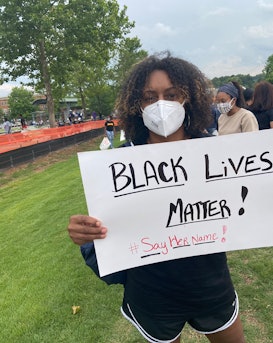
{"x":110,"y":130}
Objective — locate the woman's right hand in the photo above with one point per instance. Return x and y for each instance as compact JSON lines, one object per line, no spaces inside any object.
{"x":84,"y":229}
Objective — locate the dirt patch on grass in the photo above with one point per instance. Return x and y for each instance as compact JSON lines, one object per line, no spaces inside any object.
{"x":250,"y":317}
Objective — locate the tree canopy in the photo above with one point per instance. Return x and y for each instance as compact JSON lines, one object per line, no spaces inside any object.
{"x":20,"y":102}
{"x":246,"y":81}
{"x":46,"y":40}
{"x":96,"y":85}
{"x":129,"y":53}
{"x":268,"y":70}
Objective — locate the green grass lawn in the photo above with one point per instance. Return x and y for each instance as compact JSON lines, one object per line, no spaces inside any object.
{"x":43,"y":274}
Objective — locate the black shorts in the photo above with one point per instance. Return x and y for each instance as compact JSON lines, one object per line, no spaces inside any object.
{"x":167,"y":331}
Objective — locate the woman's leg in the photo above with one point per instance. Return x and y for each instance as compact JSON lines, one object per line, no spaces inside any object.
{"x":233,"y":334}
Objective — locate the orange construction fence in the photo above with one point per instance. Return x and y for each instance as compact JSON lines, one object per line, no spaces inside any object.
{"x":25,"y":138}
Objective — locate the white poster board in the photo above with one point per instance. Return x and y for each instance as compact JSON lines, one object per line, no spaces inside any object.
{"x":173,"y":200}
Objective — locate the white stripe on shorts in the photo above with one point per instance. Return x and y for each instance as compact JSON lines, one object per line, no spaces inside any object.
{"x":145,"y":334}
{"x":228,"y":323}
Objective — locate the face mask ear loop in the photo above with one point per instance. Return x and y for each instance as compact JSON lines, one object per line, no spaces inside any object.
{"x":141,"y":109}
{"x":234,"y":102}
{"x":187,"y":122}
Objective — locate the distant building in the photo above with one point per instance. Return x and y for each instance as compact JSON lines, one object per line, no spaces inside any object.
{"x":4,"y":105}
{"x":41,"y":102}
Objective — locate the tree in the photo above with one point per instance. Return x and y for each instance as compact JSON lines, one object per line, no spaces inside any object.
{"x":268,"y":70}
{"x":129,"y":53}
{"x":45,"y":39}
{"x":20,"y":101}
{"x":103,"y":92}
{"x":101,"y":99}
{"x":246,"y":81}
{"x":88,"y":80}
{"x":97,"y":85}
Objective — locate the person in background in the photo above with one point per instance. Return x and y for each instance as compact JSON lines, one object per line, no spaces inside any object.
{"x":109,"y":127}
{"x":23,"y":122}
{"x":234,"y":117}
{"x":70,"y":117}
{"x":262,"y":105}
{"x":94,"y":115}
{"x":248,"y":96}
{"x":164,"y":99}
{"x":7,"y":126}
{"x":80,"y":117}
{"x":213,"y":128}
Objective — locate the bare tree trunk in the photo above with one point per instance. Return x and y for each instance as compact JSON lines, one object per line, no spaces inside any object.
{"x":83,"y":101}
{"x":47,"y":83}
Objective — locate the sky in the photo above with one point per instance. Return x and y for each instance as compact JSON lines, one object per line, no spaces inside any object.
{"x":222,"y":38}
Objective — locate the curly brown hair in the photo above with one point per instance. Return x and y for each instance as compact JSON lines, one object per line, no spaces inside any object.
{"x":183,"y":75}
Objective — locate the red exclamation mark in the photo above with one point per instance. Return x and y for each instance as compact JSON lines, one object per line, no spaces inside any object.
{"x":224,"y":232}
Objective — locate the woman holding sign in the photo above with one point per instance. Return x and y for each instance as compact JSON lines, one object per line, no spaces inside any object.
{"x":165,"y":99}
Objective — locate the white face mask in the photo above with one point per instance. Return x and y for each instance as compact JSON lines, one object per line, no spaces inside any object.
{"x":164,"y":117}
{"x":224,"y":107}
